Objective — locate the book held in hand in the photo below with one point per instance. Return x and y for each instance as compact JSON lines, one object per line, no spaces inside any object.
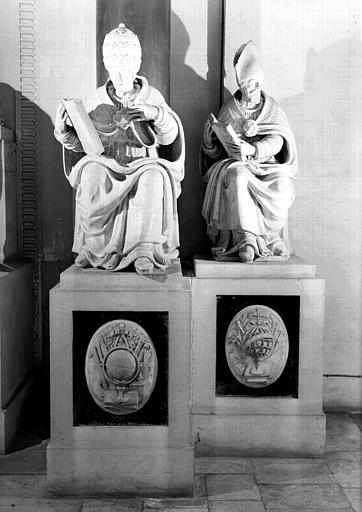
{"x":225,"y":133}
{"x":84,"y":127}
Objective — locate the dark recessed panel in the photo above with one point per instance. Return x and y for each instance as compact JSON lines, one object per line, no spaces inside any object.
{"x":153,"y":326}
{"x":238,"y":314}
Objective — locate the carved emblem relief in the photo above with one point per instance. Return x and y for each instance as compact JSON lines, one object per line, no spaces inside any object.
{"x":257,"y":346}
{"x":121,"y":367}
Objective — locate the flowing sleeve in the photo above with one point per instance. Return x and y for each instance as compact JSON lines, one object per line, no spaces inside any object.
{"x":69,"y":140}
{"x":165,"y":125}
{"x":268,"y":147}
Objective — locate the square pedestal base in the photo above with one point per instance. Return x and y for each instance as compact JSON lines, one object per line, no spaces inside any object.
{"x":285,"y":417}
{"x":15,"y":348}
{"x":260,"y":435}
{"x":94,"y":453}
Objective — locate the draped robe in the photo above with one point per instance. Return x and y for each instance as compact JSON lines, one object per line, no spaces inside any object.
{"x":126,"y":199}
{"x":246,"y":202}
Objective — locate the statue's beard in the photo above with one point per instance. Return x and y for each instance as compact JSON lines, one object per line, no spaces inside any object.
{"x":123,"y":88}
{"x":252,"y":99}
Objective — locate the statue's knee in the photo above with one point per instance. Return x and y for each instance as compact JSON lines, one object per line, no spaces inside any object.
{"x":91,"y":177}
{"x":91,"y":172}
{"x":238,"y":176}
{"x":152,"y":179}
{"x":283,"y":186}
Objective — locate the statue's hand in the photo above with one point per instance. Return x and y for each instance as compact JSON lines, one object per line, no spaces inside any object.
{"x":142,"y":112}
{"x":208,"y":133}
{"x":62,"y":122}
{"x":241,"y":150}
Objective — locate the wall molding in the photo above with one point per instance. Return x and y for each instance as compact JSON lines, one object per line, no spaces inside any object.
{"x":27,"y":142}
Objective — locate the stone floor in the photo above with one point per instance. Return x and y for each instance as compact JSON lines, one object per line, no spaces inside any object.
{"x":328,"y":484}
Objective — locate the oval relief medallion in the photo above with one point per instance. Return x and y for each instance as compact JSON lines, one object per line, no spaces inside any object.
{"x":121,"y":367}
{"x":257,"y":346}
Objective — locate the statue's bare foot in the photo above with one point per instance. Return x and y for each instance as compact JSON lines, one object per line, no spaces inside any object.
{"x":113,"y":262}
{"x":281,"y":250}
{"x":82,"y":261}
{"x":246,"y":254}
{"x":143,"y":265}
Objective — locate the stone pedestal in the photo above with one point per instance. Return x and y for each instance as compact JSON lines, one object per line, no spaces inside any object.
{"x":93,"y":452}
{"x":15,"y":347}
{"x":15,"y":302}
{"x":282,"y":419}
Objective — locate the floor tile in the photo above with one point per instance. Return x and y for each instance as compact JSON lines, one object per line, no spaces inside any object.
{"x":346,"y":468}
{"x":292,"y":497}
{"x":223,"y":465}
{"x":200,"y":486}
{"x":23,"y":486}
{"x":179,"y":504}
{"x":231,"y":487}
{"x":342,"y":433}
{"x":26,"y":462}
{"x":291,"y":471}
{"x":303,"y":509}
{"x":236,"y":506}
{"x":39,"y":505}
{"x":176,"y":508}
{"x":357,"y":419}
{"x":355,"y":498}
{"x":133,"y":505}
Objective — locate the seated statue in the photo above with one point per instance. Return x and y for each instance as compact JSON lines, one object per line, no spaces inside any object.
{"x":126,"y":211}
{"x":249,"y":186}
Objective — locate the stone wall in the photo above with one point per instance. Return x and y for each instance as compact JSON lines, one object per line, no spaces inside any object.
{"x":312,"y":56}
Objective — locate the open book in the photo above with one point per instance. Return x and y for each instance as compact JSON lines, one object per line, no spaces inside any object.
{"x":84,"y":127}
{"x":225,"y":133}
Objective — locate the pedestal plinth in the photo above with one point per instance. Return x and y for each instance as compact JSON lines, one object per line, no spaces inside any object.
{"x":257,"y":358}
{"x":15,"y":347}
{"x":120,"y":384}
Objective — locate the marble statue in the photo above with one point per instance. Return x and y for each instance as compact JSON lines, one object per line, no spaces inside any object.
{"x":250,"y":183}
{"x":126,"y":210}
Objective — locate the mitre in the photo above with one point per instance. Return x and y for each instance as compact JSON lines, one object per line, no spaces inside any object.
{"x":121,"y":47}
{"x":247,"y":63}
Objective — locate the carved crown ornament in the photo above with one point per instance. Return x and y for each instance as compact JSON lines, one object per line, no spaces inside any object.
{"x":121,"y":47}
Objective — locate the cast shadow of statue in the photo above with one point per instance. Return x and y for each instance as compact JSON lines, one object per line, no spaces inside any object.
{"x":188,"y":94}
{"x":54,"y":210}
{"x":327,"y":126}
{"x":54,"y":196}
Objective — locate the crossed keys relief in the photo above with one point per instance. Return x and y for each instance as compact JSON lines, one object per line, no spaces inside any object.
{"x":256,"y":346}
{"x":121,"y":367}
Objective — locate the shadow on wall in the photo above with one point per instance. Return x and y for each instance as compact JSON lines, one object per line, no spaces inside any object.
{"x":190,"y":99}
{"x":324,"y":113}
{"x":53,"y":204}
{"x":54,"y":196}
{"x":326,"y":121}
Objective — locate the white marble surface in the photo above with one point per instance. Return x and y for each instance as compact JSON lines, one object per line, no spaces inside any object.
{"x":293,"y":267}
{"x":121,"y":460}
{"x":267,"y":425}
{"x":231,"y":487}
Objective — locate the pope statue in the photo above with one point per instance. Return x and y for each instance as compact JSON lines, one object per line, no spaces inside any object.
{"x":126,"y":197}
{"x":250,"y":183}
